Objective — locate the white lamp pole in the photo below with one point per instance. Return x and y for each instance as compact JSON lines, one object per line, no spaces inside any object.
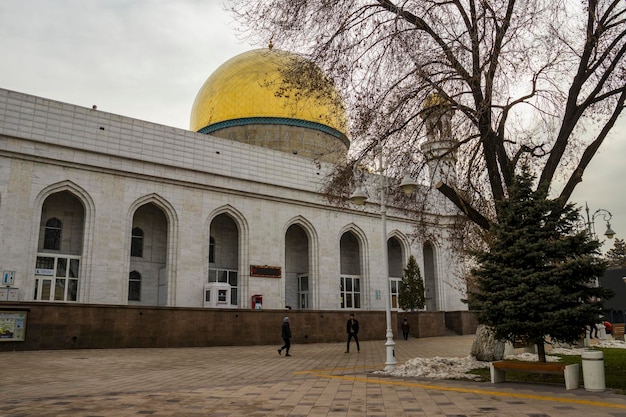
{"x":390,"y":364}
{"x":359,"y":197}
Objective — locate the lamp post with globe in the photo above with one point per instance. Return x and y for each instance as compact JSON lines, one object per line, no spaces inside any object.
{"x":591,"y":226}
{"x":440,"y":150}
{"x":359,"y":197}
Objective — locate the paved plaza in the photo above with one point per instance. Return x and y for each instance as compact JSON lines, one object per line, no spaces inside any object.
{"x":318,"y":380}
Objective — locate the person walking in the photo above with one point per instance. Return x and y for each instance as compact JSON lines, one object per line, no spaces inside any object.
{"x":406,"y":327}
{"x":286,"y":335}
{"x":352,"y":328}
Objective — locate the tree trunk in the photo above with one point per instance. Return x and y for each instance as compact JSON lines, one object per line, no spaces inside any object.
{"x":541,"y":350}
{"x":485,"y":348}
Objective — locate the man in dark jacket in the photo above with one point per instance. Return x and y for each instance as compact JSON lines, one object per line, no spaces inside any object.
{"x":286,"y":335}
{"x":406,"y":328}
{"x":353,"y":331}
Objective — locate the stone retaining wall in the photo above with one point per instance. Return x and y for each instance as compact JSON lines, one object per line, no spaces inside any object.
{"x":83,"y":326}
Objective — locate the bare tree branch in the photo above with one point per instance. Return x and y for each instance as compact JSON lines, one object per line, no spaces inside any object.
{"x":463,"y":205}
{"x":524,"y":78}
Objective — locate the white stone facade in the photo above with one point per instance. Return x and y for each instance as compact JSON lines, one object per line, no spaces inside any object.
{"x":117,"y":166}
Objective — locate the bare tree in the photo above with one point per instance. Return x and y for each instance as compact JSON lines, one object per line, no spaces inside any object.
{"x":539,"y":81}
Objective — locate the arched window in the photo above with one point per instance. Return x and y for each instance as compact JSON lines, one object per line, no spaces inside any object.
{"x":136,"y":244}
{"x":52,"y":234}
{"x":350,"y":264}
{"x":134,"y":286}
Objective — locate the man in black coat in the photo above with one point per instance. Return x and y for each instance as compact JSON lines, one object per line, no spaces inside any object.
{"x":352,"y":328}
{"x":286,"y":335}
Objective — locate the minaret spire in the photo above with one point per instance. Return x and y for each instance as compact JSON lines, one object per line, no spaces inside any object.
{"x":440,"y":147}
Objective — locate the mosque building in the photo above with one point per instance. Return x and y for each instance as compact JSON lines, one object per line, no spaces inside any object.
{"x":98,"y":208}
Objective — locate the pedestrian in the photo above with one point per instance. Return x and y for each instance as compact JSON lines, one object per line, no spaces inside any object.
{"x":608,"y":327}
{"x":406,"y":327}
{"x":593,"y":329}
{"x":286,"y":335}
{"x":352,"y":328}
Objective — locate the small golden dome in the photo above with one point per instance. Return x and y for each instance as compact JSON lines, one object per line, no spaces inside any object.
{"x":435,"y":99}
{"x":252,"y":87}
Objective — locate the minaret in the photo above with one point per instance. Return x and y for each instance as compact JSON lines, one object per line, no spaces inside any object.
{"x":440,"y":148}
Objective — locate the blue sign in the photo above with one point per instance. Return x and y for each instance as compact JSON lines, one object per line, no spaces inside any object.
{"x":8,"y":278}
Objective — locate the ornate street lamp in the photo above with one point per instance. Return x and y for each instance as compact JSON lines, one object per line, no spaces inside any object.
{"x":359,"y":197}
{"x":591,"y":227}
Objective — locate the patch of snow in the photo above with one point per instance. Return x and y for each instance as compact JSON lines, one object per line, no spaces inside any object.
{"x":618,"y":344}
{"x":439,"y":368}
{"x":615,"y":344}
{"x":533,"y":357}
{"x":457,"y":368}
{"x":568,"y":351}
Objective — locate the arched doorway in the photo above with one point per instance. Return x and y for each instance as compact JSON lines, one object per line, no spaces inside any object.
{"x":396,"y":265}
{"x":59,"y":248}
{"x":351,"y":285}
{"x":148,"y":256}
{"x":297,"y":279}
{"x":430,"y":278}
{"x":223,"y":287}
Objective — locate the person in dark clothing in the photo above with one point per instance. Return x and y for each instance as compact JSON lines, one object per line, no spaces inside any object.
{"x":352,"y":328}
{"x":286,"y":335}
{"x":405,"y":328}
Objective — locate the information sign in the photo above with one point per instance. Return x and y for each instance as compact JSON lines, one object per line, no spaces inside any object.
{"x":12,"y":326}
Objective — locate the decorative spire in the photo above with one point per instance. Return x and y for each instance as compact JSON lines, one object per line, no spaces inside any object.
{"x":271,"y":44}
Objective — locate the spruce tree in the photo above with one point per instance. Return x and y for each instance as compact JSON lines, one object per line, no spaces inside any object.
{"x":616,"y":256}
{"x":411,"y":296}
{"x":536,"y":280}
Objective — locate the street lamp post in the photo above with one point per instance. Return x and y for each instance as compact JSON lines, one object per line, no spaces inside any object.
{"x":591,"y":226}
{"x":390,"y":364}
{"x":591,"y":229}
{"x":359,"y":197}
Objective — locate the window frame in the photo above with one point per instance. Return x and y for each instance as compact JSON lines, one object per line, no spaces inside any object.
{"x":134,"y":280}
{"x":350,"y":292}
{"x":136,"y":242}
{"x":394,"y":297}
{"x":57,"y":278}
{"x":229,"y":276}
{"x":53,"y":233}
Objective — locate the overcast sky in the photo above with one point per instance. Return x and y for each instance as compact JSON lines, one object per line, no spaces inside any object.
{"x":147,"y":59}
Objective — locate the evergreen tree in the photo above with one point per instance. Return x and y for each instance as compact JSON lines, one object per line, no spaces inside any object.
{"x":411,"y":296}
{"x":616,"y":256}
{"x":536,"y":278}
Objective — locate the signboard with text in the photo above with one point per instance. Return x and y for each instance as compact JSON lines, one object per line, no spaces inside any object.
{"x":265,"y":271}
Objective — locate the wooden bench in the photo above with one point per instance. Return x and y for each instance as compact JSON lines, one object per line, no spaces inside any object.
{"x":570,"y":372}
{"x":618,"y":331}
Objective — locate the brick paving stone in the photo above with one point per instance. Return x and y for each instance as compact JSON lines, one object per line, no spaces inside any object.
{"x":319,"y":380}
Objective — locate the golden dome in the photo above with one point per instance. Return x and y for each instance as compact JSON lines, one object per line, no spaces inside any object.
{"x":252,"y":88}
